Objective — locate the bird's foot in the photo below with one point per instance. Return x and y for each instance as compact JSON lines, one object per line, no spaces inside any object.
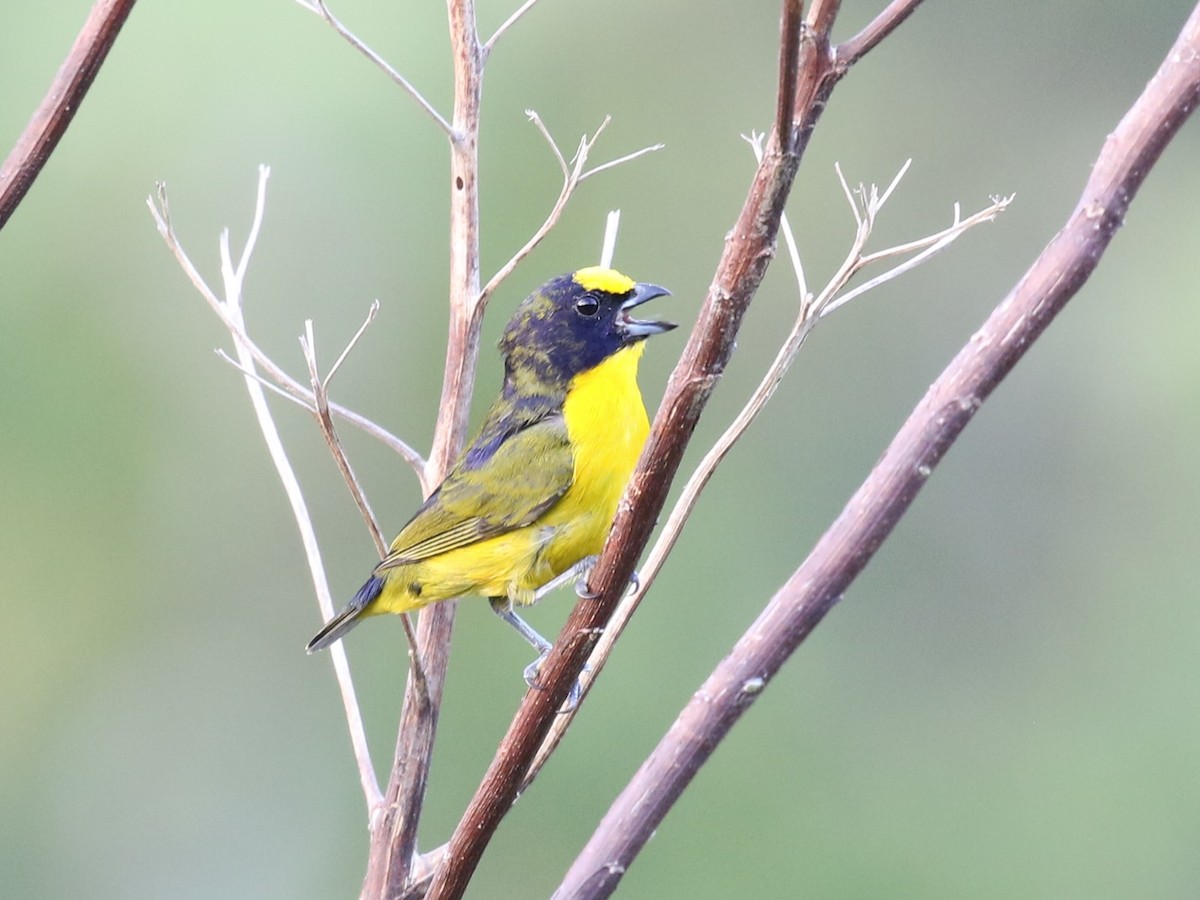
{"x":572,"y":574}
{"x":583,"y":593}
{"x":533,"y":671}
{"x":579,"y":574}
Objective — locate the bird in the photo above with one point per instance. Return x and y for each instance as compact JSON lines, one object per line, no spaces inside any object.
{"x":530,"y":500}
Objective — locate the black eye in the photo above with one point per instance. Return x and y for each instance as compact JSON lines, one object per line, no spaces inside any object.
{"x":587,"y":305}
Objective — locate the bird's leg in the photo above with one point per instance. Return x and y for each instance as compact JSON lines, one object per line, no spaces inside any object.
{"x":578,"y":573}
{"x":502,"y":606}
{"x":573,"y":574}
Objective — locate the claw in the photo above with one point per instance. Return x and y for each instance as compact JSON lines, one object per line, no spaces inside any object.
{"x":574,"y":573}
{"x":533,"y":670}
{"x":582,"y":592}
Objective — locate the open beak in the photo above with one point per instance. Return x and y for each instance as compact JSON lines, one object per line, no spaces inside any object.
{"x":636,"y":329}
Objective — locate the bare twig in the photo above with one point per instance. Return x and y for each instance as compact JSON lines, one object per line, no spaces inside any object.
{"x":620,"y":160}
{"x":321,"y":9}
{"x":231,"y":307}
{"x":1062,"y":268}
{"x":70,"y":85}
{"x":849,"y":52}
{"x":299,"y":393}
{"x":372,"y":312}
{"x":508,"y":23}
{"x":573,"y":175}
{"x":320,"y":389}
{"x":609,"y":248}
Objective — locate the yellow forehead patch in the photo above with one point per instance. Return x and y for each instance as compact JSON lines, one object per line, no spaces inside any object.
{"x":596,"y":278}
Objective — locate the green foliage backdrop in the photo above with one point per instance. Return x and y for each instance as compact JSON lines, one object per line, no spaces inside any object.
{"x":1007,"y":703}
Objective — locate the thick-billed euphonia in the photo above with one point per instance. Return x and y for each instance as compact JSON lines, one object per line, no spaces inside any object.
{"x":532,"y":497}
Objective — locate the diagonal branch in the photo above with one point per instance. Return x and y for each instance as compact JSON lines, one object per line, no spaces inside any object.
{"x":70,"y":85}
{"x":490,"y":44}
{"x":849,"y":52}
{"x":321,"y":9}
{"x":748,"y":251}
{"x":320,"y":389}
{"x":870,"y":515}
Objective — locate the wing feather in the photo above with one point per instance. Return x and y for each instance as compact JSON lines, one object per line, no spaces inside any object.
{"x":525,"y":474}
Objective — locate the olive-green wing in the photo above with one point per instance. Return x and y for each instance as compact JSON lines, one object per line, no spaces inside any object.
{"x":520,"y":479}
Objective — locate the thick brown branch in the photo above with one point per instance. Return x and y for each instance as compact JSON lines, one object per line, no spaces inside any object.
{"x":748,"y":250}
{"x":66,"y":93}
{"x":1062,"y":268}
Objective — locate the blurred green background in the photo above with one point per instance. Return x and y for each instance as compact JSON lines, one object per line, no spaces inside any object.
{"x":1006,"y":704}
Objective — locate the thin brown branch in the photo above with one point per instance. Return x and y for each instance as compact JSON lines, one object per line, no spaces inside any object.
{"x":62,"y":101}
{"x":394,"y":838}
{"x":870,"y":515}
{"x":320,"y":389}
{"x":748,"y":251}
{"x":849,"y":52}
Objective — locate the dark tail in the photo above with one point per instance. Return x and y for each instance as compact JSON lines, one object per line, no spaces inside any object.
{"x":355,"y":611}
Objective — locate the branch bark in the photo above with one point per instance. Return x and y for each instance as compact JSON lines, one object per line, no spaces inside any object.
{"x":50,"y":120}
{"x":394,"y":835}
{"x":869,"y":517}
{"x":809,"y":70}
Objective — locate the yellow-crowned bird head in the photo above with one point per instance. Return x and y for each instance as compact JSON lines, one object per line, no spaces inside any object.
{"x":576,"y":321}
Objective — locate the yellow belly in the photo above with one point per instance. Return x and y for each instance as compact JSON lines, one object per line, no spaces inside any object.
{"x":607,"y":427}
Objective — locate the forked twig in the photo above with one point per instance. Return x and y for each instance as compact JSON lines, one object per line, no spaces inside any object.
{"x":320,"y":388}
{"x":574,"y":173}
{"x":299,"y":393}
{"x":231,"y":312}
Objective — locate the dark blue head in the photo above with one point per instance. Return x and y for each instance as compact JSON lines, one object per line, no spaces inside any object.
{"x":574,"y":322}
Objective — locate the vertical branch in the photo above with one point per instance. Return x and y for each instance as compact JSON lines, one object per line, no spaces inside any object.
{"x":394,"y":839}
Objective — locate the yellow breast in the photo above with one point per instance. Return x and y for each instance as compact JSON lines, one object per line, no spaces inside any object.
{"x":607,"y":426}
